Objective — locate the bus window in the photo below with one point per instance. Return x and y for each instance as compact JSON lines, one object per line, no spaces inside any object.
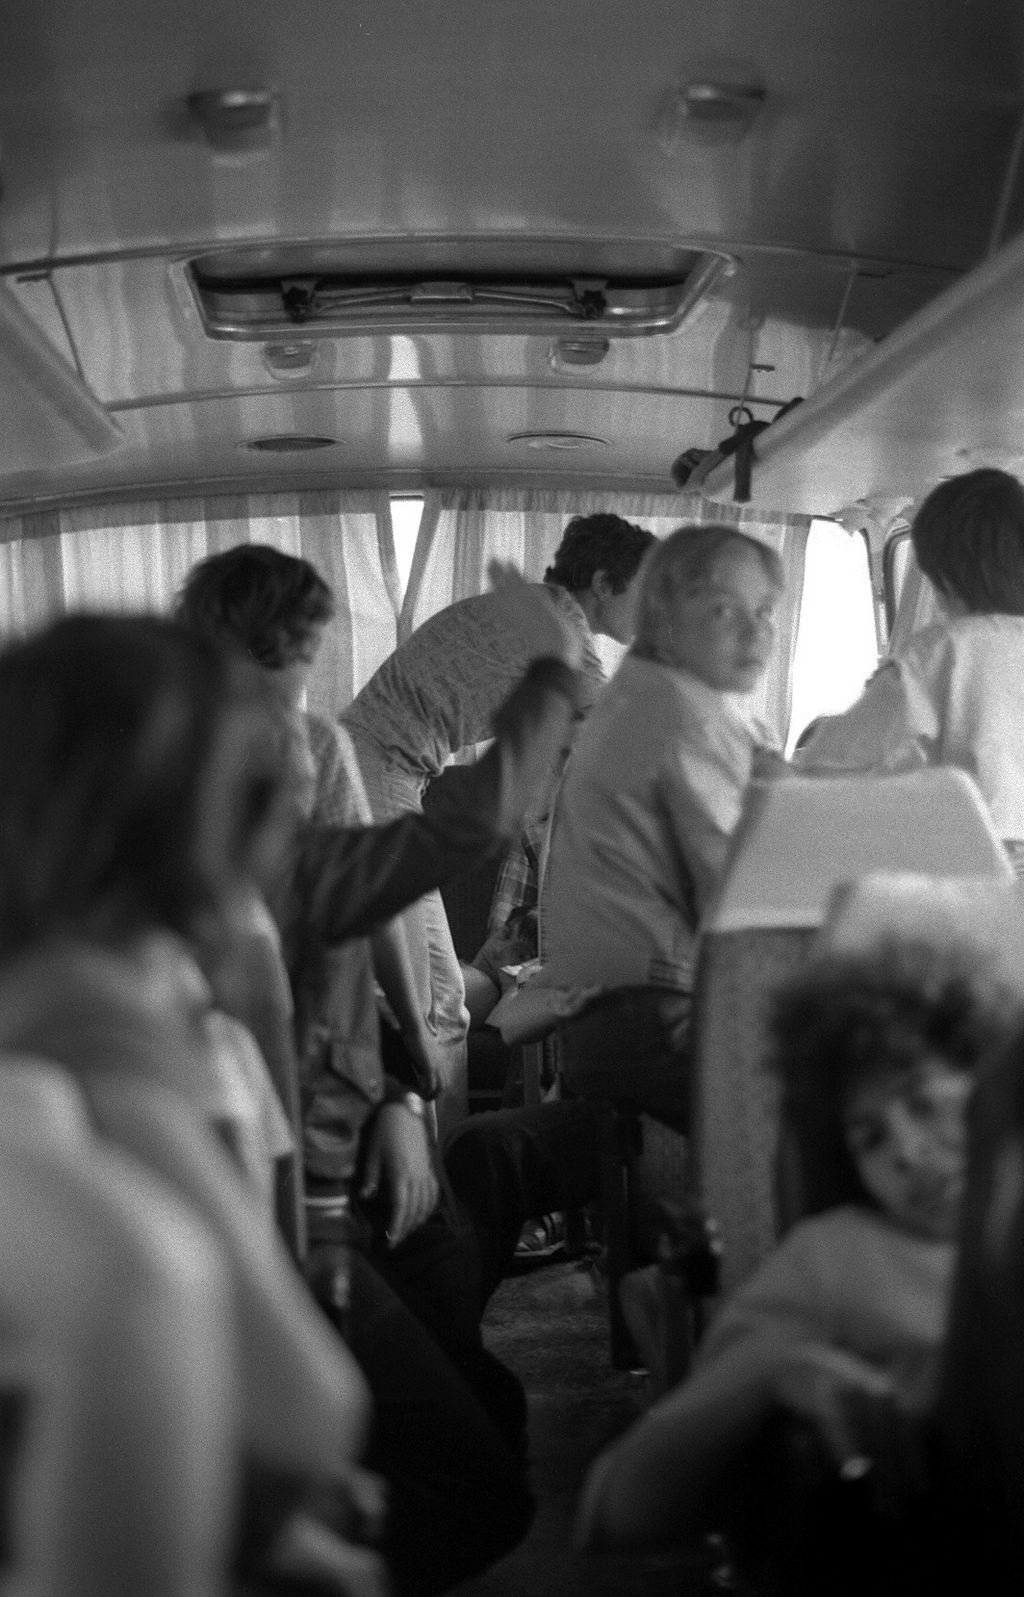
{"x":406,"y":514}
{"x":836,"y":646}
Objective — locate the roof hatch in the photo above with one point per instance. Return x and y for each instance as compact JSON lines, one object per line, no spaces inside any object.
{"x":461,"y":286}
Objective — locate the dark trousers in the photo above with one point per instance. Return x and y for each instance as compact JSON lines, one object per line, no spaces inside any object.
{"x":457,"y":1495}
{"x":513,"y":1165}
{"x":435,"y":1272}
{"x":632,"y":1042}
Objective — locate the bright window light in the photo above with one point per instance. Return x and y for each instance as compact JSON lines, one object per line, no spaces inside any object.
{"x":899,"y":552}
{"x":406,"y":514}
{"x":836,"y":646}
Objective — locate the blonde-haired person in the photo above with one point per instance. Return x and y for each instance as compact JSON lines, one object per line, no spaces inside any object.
{"x":649,"y":802}
{"x":652,"y":791}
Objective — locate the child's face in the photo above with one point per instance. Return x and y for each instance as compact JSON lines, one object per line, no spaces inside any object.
{"x":907,"y":1138}
{"x":725,"y":631}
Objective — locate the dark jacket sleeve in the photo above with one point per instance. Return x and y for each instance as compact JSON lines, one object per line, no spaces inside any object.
{"x":349,"y":880}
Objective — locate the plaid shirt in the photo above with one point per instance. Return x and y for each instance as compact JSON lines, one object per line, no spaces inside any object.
{"x":519,"y":877}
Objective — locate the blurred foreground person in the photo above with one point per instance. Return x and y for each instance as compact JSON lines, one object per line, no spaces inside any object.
{"x":136,"y":793}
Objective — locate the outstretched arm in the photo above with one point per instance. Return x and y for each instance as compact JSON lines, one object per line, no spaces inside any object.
{"x":349,"y":881}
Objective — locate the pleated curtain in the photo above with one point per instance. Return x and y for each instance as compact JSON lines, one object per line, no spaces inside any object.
{"x":134,"y":557}
{"x":462,"y":530}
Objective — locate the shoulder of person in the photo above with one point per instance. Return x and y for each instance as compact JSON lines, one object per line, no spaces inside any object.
{"x":938,"y":640}
{"x":847,"y":1230}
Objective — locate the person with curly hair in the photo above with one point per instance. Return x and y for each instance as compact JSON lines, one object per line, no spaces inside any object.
{"x":841,"y":1326}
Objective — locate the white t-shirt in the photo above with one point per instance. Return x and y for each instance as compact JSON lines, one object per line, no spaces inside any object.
{"x":954,"y":696}
{"x":849,"y":1279}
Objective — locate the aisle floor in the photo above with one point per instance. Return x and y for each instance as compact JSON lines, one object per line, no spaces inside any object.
{"x":550,"y":1326}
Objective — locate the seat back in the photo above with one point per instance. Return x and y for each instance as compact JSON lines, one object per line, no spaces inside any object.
{"x":799,"y":840}
{"x":118,"y":1443}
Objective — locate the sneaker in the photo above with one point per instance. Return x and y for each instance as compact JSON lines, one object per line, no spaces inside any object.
{"x":541,"y":1239}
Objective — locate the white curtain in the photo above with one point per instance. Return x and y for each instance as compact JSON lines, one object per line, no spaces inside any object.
{"x":135,"y":557}
{"x":918,"y":605}
{"x":462,"y":530}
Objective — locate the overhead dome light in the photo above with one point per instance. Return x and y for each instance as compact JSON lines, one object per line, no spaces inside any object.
{"x":558,"y":441}
{"x":290,"y":357}
{"x":289,"y":443}
{"x":577,"y":352}
{"x":708,"y":111}
{"x":722,"y":102}
{"x":237,"y":121}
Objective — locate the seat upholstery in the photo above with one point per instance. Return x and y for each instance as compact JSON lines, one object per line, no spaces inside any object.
{"x":800,"y":839}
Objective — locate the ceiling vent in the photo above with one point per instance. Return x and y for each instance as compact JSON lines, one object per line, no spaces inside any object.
{"x":313,"y":291}
{"x":558,"y":441}
{"x":289,"y":443}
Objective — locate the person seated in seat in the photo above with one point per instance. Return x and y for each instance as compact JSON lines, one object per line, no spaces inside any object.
{"x":142,"y":792}
{"x":443,"y":1405}
{"x":648,"y":803}
{"x":649,"y":800}
{"x":842,"y":1325}
{"x":275,"y":608}
{"x":136,"y":787}
{"x":338,"y":883}
{"x":955,"y":693}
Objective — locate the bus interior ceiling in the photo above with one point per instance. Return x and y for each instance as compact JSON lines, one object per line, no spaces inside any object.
{"x":508,"y":242}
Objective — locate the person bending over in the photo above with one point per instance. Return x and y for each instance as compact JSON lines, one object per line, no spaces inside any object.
{"x":437,"y":694}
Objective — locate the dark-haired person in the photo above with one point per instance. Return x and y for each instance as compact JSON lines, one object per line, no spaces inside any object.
{"x":138,"y":786}
{"x":275,"y":607}
{"x":842,"y":1325}
{"x":437,"y":694}
{"x":955,"y":693}
{"x":143,"y":791}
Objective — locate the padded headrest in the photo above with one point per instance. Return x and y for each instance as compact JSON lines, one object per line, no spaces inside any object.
{"x":802,"y":836}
